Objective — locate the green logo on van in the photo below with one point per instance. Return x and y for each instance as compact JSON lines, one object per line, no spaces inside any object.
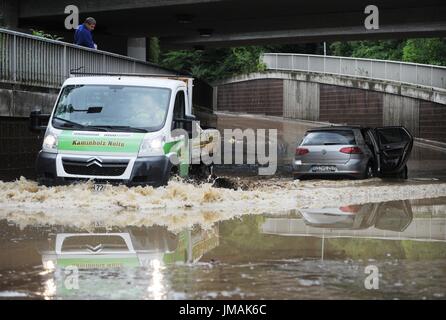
{"x":100,"y":142}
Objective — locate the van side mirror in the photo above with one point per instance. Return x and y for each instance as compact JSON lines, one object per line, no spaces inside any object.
{"x":38,"y":122}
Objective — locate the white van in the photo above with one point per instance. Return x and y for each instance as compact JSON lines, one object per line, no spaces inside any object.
{"x":118,"y":129}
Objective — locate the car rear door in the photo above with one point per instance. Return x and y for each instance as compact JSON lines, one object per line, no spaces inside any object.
{"x":395,"y":145}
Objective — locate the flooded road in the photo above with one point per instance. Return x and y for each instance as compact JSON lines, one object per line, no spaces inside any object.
{"x":237,"y":237}
{"x":142,"y":244}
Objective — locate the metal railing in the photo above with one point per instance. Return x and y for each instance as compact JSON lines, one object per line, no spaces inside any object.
{"x":410,"y":73}
{"x":31,"y":60}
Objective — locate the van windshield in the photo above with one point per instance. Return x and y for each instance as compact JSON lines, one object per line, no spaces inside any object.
{"x":99,"y":107}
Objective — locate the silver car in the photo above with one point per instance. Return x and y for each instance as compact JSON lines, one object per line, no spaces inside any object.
{"x":353,"y":151}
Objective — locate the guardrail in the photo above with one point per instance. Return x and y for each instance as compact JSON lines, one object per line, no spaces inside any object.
{"x":410,"y":73}
{"x":31,"y":60}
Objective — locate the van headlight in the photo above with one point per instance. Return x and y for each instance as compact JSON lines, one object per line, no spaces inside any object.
{"x":152,"y":146}
{"x":50,"y":143}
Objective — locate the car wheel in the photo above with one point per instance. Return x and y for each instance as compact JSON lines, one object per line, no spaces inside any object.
{"x":369,"y":173}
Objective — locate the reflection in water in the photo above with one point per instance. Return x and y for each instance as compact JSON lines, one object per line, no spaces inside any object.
{"x":389,"y":220}
{"x":392,"y":216}
{"x":147,"y":248}
{"x":252,"y":256}
{"x":156,"y":288}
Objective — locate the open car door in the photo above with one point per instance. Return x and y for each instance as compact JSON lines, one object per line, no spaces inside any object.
{"x":395,"y":145}
{"x":394,"y":216}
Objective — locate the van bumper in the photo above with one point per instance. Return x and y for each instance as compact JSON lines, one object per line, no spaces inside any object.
{"x":354,"y":168}
{"x":154,"y":171}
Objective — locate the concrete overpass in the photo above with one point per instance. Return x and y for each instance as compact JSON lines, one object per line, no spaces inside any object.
{"x":189,"y":23}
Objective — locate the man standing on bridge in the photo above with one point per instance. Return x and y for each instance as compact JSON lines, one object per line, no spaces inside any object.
{"x":83,"y":36}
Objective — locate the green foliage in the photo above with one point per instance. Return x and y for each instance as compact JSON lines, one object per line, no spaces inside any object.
{"x":385,"y":50}
{"x":429,"y":51}
{"x":304,"y":48}
{"x":43,"y":34}
{"x":215,"y":64}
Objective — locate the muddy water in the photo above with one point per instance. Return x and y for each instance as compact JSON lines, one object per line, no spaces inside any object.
{"x":269,"y":239}
{"x":233,"y":238}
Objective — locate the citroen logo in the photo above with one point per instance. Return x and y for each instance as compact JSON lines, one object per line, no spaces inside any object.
{"x":96,"y":249}
{"x":96,"y":161}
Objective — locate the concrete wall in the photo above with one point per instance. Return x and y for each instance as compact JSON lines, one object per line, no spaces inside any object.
{"x":309,"y":98}
{"x":18,"y":145}
{"x":18,"y":148}
{"x":261,"y":96}
{"x":352,"y":106}
{"x":397,"y":88}
{"x":137,"y":48}
{"x":19,"y":103}
{"x":432,"y":121}
{"x":300,"y":100}
{"x":9,"y":13}
{"x":403,"y":111}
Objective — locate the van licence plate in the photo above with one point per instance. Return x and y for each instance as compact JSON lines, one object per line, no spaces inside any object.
{"x":323,"y":169}
{"x":97,"y":187}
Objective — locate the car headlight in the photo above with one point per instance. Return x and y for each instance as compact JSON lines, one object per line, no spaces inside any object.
{"x":50,"y":143}
{"x":152,"y":146}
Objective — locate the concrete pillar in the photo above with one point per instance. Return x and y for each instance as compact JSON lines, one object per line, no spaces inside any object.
{"x":137,"y":48}
{"x":9,"y":13}
{"x":301,"y":100}
{"x":402,"y":111}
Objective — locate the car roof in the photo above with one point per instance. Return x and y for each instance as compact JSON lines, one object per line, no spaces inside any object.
{"x":157,"y":82}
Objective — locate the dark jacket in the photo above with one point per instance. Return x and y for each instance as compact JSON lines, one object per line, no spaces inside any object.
{"x":83,"y":37}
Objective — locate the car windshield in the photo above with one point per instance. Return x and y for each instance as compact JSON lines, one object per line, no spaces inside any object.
{"x":329,"y":137}
{"x":112,"y":107}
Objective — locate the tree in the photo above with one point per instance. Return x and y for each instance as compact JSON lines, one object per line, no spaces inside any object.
{"x":429,"y":51}
{"x":43,"y":34}
{"x":215,"y":64}
{"x":384,"y":49}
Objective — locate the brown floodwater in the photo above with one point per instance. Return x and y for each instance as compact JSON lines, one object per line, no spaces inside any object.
{"x":306,"y":253}
{"x":240,"y":237}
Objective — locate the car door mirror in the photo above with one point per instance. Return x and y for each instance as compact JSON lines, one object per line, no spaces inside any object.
{"x":38,"y":121}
